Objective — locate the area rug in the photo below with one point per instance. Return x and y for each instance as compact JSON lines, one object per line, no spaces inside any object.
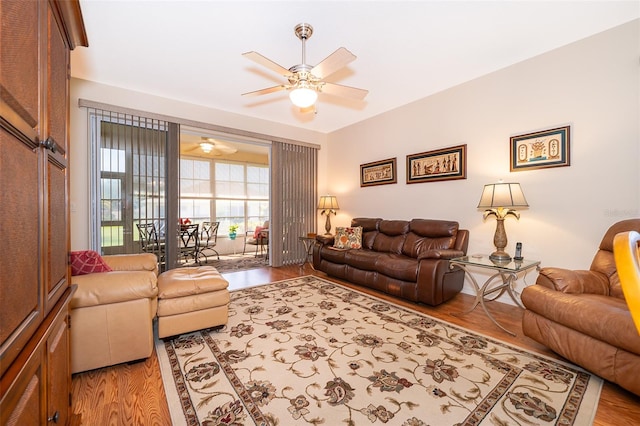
{"x":237,"y":263}
{"x":308,"y":351}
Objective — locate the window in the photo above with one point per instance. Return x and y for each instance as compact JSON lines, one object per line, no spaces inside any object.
{"x":228,"y":192}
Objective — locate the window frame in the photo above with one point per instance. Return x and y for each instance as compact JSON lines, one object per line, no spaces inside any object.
{"x":245,"y":221}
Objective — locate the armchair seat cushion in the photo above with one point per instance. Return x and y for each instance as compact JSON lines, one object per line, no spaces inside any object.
{"x":113,"y":287}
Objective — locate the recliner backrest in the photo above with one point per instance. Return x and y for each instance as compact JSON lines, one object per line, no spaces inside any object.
{"x":604,"y":261}
{"x":429,"y":234}
{"x":391,"y":236}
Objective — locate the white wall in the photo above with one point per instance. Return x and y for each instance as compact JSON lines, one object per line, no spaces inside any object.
{"x":79,"y":149}
{"x":593,"y":85}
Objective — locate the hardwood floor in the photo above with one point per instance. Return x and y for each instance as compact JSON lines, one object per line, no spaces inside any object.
{"x":132,"y":394}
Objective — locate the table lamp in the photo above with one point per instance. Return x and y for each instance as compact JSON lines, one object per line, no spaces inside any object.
{"x":499,"y":199}
{"x":328,"y":204}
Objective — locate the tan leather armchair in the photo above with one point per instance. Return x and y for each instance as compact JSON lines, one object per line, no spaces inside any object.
{"x":582,"y":315}
{"x":112,"y":312}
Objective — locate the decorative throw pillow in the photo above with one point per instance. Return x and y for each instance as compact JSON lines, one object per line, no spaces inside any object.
{"x":87,"y":262}
{"x":348,"y":237}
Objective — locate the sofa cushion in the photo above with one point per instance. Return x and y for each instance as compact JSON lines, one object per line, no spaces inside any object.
{"x":332,"y":254}
{"x":87,"y":262}
{"x":362,"y":259}
{"x":398,"y":266}
{"x":348,"y":237}
{"x":391,"y":237}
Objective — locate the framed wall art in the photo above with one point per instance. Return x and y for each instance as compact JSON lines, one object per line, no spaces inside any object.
{"x":441,"y":164}
{"x":378,"y":173}
{"x":538,"y":150}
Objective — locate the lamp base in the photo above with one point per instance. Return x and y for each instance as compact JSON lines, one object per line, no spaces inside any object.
{"x":500,"y":256}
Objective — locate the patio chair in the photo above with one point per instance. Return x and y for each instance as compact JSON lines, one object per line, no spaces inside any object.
{"x":149,"y":240}
{"x":189,"y":242}
{"x":259,"y":237}
{"x":208,"y":239}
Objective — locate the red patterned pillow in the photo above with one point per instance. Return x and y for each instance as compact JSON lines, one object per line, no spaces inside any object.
{"x":87,"y":262}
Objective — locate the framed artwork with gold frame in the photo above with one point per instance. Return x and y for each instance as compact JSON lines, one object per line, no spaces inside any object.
{"x":539,"y":150}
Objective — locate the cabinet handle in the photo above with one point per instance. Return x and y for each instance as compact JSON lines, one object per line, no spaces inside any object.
{"x":55,"y":417}
{"x":49,"y":144}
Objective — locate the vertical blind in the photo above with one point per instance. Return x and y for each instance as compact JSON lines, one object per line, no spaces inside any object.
{"x":294,"y":174}
{"x":128,"y":179}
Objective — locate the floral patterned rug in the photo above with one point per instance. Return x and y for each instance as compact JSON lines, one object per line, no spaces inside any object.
{"x":309,"y":351}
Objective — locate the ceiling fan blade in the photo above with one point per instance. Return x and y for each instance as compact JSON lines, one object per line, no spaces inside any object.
{"x":332,"y":63}
{"x":343,"y":91}
{"x":266,"y":91}
{"x":266,"y":62}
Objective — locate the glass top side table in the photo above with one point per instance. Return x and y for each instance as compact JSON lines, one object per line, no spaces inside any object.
{"x":507,"y":271}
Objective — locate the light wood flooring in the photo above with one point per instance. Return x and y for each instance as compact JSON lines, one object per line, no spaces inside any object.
{"x":133,"y":394}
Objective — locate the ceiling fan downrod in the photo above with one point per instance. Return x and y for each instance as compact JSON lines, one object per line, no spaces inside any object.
{"x":303,"y":32}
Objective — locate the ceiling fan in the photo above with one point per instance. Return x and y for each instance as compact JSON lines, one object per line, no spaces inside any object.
{"x":210,"y":146}
{"x":306,"y":81}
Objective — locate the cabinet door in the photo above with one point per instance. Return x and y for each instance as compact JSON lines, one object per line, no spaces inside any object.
{"x":56,"y":229}
{"x":23,"y":403}
{"x":21,"y":301}
{"x":20,"y":65}
{"x":59,"y":371}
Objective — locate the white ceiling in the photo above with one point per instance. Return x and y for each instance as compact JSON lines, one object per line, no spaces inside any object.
{"x":406,"y":50}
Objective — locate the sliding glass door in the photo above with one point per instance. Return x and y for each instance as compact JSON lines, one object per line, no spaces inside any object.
{"x":130,"y":165}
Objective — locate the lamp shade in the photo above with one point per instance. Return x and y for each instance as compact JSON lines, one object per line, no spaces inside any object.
{"x":328,"y":202}
{"x":303,"y":96}
{"x":506,"y":195}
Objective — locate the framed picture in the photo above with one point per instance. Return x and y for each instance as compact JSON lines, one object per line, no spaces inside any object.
{"x":548,"y":148}
{"x":441,"y":164}
{"x":378,"y":173}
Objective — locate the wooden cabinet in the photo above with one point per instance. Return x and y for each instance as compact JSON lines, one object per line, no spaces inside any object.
{"x":36,"y":37}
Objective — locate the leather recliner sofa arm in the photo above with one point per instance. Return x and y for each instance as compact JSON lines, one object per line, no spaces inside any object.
{"x":325,"y":240}
{"x":573,"y":281}
{"x":441,"y":254}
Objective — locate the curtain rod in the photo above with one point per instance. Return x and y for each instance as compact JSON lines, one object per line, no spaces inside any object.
{"x":85,"y":103}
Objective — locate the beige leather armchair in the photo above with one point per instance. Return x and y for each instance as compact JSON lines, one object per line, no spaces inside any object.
{"x":112,"y":312}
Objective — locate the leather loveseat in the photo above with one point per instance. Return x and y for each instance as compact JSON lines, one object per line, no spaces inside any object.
{"x":112,"y":312}
{"x":407,"y":259}
{"x":582,"y":315}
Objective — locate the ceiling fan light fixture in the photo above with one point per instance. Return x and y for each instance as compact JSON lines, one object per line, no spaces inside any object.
{"x":206,"y":147}
{"x":303,"y":96}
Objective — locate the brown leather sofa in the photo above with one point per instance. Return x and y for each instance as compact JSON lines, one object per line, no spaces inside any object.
{"x":583,"y":316}
{"x":112,"y":312}
{"x":407,"y":259}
